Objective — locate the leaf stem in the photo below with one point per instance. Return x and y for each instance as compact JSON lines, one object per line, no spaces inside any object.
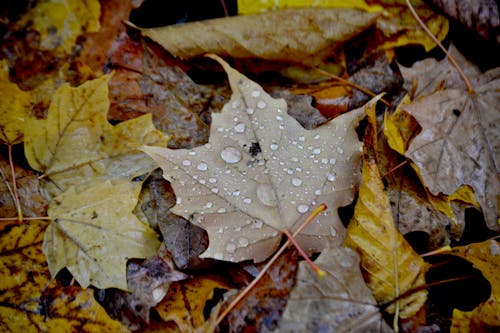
{"x":351,"y":84}
{"x":264,"y":270}
{"x":470,"y":90}
{"x":14,"y":187}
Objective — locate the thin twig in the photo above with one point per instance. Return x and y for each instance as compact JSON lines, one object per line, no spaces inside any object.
{"x":470,"y":90}
{"x":351,"y":84}
{"x":14,"y":187}
{"x":264,"y":270}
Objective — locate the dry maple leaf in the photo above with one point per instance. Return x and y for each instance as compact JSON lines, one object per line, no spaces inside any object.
{"x":76,"y":144}
{"x":261,"y":173}
{"x":296,"y":35}
{"x":339,"y":302}
{"x":460,"y":142}
{"x":94,"y":232}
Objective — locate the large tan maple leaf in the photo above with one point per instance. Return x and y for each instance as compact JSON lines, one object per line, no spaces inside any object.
{"x":261,"y":173}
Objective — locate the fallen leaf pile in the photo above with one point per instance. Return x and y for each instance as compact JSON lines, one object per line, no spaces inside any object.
{"x":144,"y":186}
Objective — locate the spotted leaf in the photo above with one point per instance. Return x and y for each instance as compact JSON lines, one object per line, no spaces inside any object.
{"x":261,"y":173}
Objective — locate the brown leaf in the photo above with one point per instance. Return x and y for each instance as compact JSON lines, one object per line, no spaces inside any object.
{"x":478,"y":15}
{"x":339,"y":302}
{"x":460,"y":142}
{"x":261,"y":309}
{"x":295,"y":35}
{"x":261,"y":172}
{"x":96,"y":45}
{"x":149,"y":81}
{"x":148,"y":282}
{"x":33,"y":204}
{"x":184,"y":240}
{"x":427,"y":76}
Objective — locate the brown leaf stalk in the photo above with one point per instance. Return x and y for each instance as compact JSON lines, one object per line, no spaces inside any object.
{"x":248,"y":288}
{"x":470,"y":90}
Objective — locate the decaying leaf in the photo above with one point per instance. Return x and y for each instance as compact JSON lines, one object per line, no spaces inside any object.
{"x":339,"y":302}
{"x":413,"y":207}
{"x":15,"y":107}
{"x":261,"y":172}
{"x":389,"y":264}
{"x":76,"y":144}
{"x":94,"y":232}
{"x":478,"y":15}
{"x":30,"y":301}
{"x":396,"y":26}
{"x":151,"y":84}
{"x":460,"y":142}
{"x":32,"y":203}
{"x":295,"y":35}
{"x":185,"y":302}
{"x":184,"y":240}
{"x":265,"y":302}
{"x":427,"y":76}
{"x":148,"y":282}
{"x":60,"y":22}
{"x":486,"y":257}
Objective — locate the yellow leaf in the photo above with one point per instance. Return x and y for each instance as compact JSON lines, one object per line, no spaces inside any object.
{"x":400,"y":128}
{"x":60,"y":22}
{"x":94,"y":232}
{"x":485,"y":256}
{"x":15,"y":107}
{"x":76,"y":144}
{"x":185,"y":301}
{"x":30,"y":301}
{"x":400,"y":27}
{"x":251,"y":6}
{"x":390,"y":265}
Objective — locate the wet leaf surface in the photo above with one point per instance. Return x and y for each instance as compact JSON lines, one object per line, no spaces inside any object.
{"x":286,"y":171}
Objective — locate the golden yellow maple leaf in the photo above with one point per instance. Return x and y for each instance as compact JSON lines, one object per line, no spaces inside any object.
{"x":185,"y":301}
{"x":30,"y":301}
{"x":60,"y":22}
{"x":93,"y":233}
{"x":485,"y":256}
{"x":397,"y":24}
{"x":15,"y":105}
{"x":390,"y":265}
{"x":76,"y":144}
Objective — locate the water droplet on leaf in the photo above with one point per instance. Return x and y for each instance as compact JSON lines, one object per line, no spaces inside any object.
{"x":230,"y":155}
